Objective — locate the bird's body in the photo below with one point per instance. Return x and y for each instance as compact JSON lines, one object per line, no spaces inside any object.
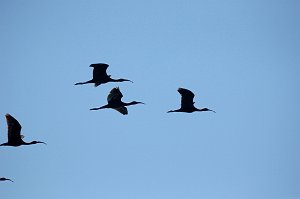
{"x":100,"y":76}
{"x":14,"y":133}
{"x":5,"y":179}
{"x":187,"y":103}
{"x":114,"y":101}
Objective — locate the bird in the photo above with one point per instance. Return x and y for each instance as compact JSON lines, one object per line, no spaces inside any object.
{"x":100,"y":76}
{"x":114,"y":102}
{"x":187,"y":103}
{"x":5,"y":179}
{"x":14,"y":133}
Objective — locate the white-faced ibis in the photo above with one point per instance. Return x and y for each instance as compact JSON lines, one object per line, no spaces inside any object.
{"x":5,"y":179}
{"x":187,"y":103}
{"x":114,"y":102}
{"x":14,"y":133}
{"x":100,"y":76}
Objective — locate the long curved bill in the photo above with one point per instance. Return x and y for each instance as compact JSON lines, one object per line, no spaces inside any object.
{"x":42,"y":142}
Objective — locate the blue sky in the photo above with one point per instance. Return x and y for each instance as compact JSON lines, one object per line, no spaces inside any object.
{"x":240,"y":58}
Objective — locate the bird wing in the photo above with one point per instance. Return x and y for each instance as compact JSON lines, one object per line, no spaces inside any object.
{"x":187,"y":97}
{"x":122,"y":110}
{"x":99,"y":70}
{"x":114,"y":95}
{"x":14,"y":128}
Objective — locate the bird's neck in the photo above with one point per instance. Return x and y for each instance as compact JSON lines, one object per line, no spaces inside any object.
{"x":116,"y":80}
{"x":28,"y":143}
{"x":33,"y":142}
{"x":204,"y":109}
{"x":131,"y":103}
{"x":120,"y":80}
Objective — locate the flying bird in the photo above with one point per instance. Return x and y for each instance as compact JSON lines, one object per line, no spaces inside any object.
{"x":187,"y":103}
{"x":14,"y":133}
{"x":5,"y":179}
{"x":100,"y":76}
{"x":114,"y":101}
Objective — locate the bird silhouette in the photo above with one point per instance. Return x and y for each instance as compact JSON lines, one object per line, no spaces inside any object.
{"x":5,"y":179}
{"x":14,"y":133}
{"x":100,"y":76}
{"x":114,"y":102}
{"x":187,"y":103}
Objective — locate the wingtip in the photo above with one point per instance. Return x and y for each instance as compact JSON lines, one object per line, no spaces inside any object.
{"x":104,"y":64}
{"x":180,"y":89}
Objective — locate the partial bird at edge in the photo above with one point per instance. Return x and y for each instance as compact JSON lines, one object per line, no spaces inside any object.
{"x":14,"y":133}
{"x":6,"y":179}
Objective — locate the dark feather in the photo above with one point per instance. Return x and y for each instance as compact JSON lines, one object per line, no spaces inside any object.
{"x":122,"y":110}
{"x":114,"y":96}
{"x":187,"y":98}
{"x":14,"y":128}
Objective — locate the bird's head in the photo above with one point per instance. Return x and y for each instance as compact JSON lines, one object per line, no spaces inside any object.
{"x":206,"y":109}
{"x":135,"y":102}
{"x":125,"y":80}
{"x":5,"y":179}
{"x":37,"y":142}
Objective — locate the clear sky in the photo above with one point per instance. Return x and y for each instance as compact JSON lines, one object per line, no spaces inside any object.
{"x":240,"y":58}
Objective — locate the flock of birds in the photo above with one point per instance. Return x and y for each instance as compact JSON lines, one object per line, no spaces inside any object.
{"x":114,"y":101}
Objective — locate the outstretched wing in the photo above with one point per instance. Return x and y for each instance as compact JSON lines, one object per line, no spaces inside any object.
{"x":13,"y":128}
{"x":99,"y":70}
{"x":122,"y":110}
{"x":187,"y":98}
{"x":114,"y":96}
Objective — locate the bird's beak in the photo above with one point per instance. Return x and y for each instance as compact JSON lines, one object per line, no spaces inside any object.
{"x":42,"y":142}
{"x":212,"y":110}
{"x":127,"y":80}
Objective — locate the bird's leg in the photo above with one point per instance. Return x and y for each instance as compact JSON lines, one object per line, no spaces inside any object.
{"x":80,"y":83}
{"x":105,"y":106}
